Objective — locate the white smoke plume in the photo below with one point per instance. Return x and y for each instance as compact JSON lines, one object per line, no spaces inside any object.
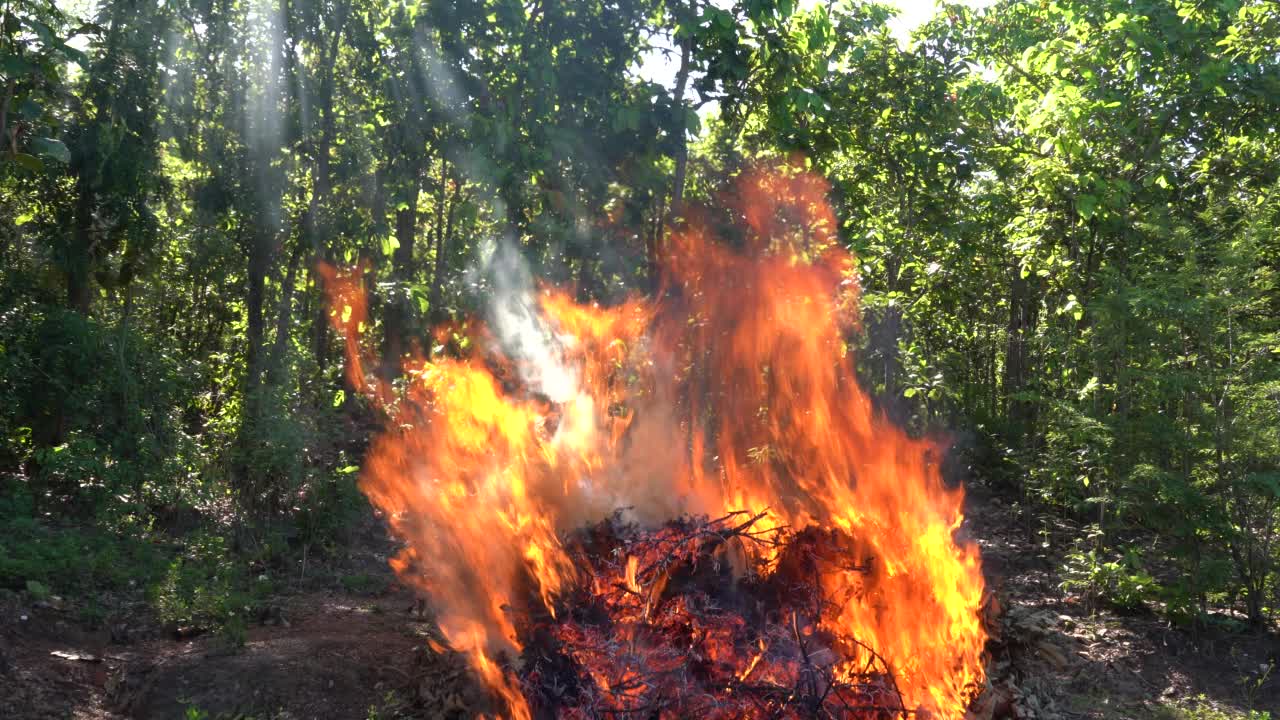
{"x":523,"y":335}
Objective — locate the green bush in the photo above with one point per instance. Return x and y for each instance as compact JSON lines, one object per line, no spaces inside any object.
{"x":209,"y":586}
{"x":329,"y":505}
{"x":70,"y":558}
{"x":1120,"y":582}
{"x":94,"y":419}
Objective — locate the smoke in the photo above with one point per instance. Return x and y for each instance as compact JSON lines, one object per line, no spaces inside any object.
{"x":522,"y":334}
{"x":538,"y":350}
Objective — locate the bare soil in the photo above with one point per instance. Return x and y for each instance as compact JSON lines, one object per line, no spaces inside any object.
{"x":335,"y":653}
{"x":336,"y":657}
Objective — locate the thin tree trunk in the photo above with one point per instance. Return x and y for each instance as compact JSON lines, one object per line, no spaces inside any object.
{"x":436,"y":296}
{"x":1021,"y":324}
{"x":79,"y":261}
{"x":259,"y":263}
{"x":284,"y":316}
{"x":398,"y":310}
{"x":4,"y":119}
{"x":315,"y":237}
{"x":677,"y":131}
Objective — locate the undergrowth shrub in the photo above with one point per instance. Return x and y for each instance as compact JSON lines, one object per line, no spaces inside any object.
{"x":115,"y":475}
{"x":94,"y":416}
{"x":70,"y":558}
{"x":1120,"y":581}
{"x":208,"y":586}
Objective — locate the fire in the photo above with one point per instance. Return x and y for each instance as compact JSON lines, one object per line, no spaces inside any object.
{"x":732,"y":390}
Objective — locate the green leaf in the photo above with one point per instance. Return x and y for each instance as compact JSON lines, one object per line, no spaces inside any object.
{"x":692,"y":123}
{"x":339,"y":398}
{"x":1088,"y":388}
{"x":45,"y":32}
{"x":74,"y":55}
{"x":52,"y":149}
{"x":1072,"y":306}
{"x":1085,"y":205}
{"x":30,"y":162}
{"x":15,"y":67}
{"x":30,"y":110}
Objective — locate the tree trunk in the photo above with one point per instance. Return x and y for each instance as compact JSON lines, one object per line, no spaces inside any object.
{"x":398,"y":309}
{"x":6,"y":142}
{"x":284,"y":316}
{"x":315,"y":234}
{"x":443,"y":243}
{"x":677,"y":131}
{"x":80,"y":258}
{"x":1021,"y":324}
{"x":256,"y":277}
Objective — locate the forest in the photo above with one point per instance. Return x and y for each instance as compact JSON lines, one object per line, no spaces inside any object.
{"x":1063,"y":217}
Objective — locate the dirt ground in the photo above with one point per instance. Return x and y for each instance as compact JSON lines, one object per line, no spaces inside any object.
{"x":321,"y":650}
{"x":1054,"y":657}
{"x":336,"y":657}
{"x":330,"y":653}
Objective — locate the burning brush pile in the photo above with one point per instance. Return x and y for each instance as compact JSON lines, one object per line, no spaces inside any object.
{"x":684,"y":620}
{"x":682,"y":505}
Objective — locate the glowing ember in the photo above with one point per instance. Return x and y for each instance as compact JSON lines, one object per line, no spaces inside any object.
{"x":732,"y":391}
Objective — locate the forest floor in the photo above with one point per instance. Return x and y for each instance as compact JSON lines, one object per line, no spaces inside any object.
{"x":1055,"y":657}
{"x":358,"y":649}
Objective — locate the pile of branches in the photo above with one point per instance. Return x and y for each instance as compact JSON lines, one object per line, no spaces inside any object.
{"x":706,"y":618}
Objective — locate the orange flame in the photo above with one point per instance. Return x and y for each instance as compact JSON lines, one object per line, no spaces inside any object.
{"x":733,"y":390}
